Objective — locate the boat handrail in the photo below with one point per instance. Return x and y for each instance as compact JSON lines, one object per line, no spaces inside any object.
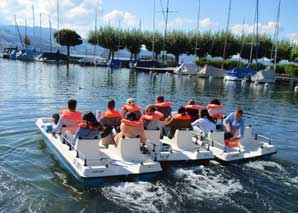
{"x":72,"y":147}
{"x":264,"y":137}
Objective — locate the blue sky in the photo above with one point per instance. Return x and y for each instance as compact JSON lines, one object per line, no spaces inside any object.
{"x":80,"y":14}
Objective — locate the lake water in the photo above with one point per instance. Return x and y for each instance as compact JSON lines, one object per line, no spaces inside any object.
{"x":32,"y":180}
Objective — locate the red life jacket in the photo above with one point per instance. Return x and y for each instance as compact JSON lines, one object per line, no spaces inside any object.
{"x":156,"y":116}
{"x":230,"y":143}
{"x":111,"y":113}
{"x":197,"y":107}
{"x":215,"y":111}
{"x":84,"y":125}
{"x":131,"y":108}
{"x":163,"y":104}
{"x":182,"y":117}
{"x":132,"y":123}
{"x":68,"y":115}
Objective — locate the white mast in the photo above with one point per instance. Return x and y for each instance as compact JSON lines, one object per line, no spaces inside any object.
{"x":33,"y":22}
{"x":198,"y":26}
{"x":50,"y":26}
{"x":226,"y":39}
{"x":153,"y":39}
{"x":40,"y":32}
{"x":277,"y":31}
{"x":95,"y":30}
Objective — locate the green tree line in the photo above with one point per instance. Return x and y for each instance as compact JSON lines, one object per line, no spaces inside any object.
{"x":179,"y":42}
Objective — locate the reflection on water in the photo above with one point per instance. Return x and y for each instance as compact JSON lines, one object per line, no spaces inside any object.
{"x":31,"y":179}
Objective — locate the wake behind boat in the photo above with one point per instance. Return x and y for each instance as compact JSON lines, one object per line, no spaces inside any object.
{"x":90,"y":162}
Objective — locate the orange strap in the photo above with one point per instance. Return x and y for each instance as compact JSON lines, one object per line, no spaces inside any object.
{"x":111,"y":114}
{"x":163,"y":104}
{"x":197,"y":107}
{"x":182,"y":117}
{"x":132,"y":123}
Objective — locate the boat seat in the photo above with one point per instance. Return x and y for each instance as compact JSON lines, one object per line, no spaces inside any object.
{"x":248,"y":138}
{"x":183,"y":140}
{"x":129,"y":149}
{"x":153,"y":136}
{"x":88,"y":147}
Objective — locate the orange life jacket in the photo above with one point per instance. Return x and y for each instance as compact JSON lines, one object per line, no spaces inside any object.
{"x":163,"y":104}
{"x":197,"y":107}
{"x":84,"y":125}
{"x":111,"y":113}
{"x":71,"y":115}
{"x":215,"y":111}
{"x":182,"y":117}
{"x":132,"y":123}
{"x":131,"y":108}
{"x":156,"y":116}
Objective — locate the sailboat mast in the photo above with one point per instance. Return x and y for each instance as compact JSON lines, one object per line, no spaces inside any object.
{"x":197,"y":29}
{"x":50,"y":26}
{"x":95,"y":30}
{"x":18,"y":30}
{"x":25,"y":27}
{"x":277,"y":31}
{"x":58,"y":24}
{"x":242,"y":41}
{"x":165,"y":32}
{"x":40,"y":32}
{"x":33,"y":22}
{"x":226,"y":39}
{"x":153,"y":39}
{"x":257,"y":34}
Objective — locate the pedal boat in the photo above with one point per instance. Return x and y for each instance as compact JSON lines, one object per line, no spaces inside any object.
{"x":180,"y":149}
{"x":90,"y":162}
{"x":251,"y":146}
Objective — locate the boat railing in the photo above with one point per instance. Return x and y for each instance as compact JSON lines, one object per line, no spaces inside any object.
{"x":264,"y":137}
{"x":72,"y":147}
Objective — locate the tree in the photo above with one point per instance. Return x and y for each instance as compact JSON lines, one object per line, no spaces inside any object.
{"x":68,"y":38}
{"x":158,"y":41}
{"x":26,"y":41}
{"x":133,"y":40}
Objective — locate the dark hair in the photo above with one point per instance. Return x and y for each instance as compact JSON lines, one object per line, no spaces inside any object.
{"x":111,"y":104}
{"x":239,"y":111}
{"x":72,"y":104}
{"x":151,"y":108}
{"x":205,"y":114}
{"x":160,"y":98}
{"x":191,"y":102}
{"x":132,"y":116}
{"x":90,"y":119}
{"x":215,"y":101}
{"x":56,"y":117}
{"x":181,"y":110}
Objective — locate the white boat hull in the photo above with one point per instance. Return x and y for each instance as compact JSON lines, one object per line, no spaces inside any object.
{"x":107,"y":162}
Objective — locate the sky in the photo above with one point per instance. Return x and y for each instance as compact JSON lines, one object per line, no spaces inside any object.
{"x":80,"y":15}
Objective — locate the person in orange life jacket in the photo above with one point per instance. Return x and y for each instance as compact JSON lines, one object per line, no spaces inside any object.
{"x":69,"y":119}
{"x":205,"y":123}
{"x":215,"y":109}
{"x":163,"y":107}
{"x":151,"y":118}
{"x":131,"y":127}
{"x":89,"y":128}
{"x":234,"y":125}
{"x":131,"y":107}
{"x":178,"y":121}
{"x":111,"y":117}
{"x":193,"y":110}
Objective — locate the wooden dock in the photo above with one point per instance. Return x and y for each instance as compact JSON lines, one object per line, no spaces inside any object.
{"x":156,"y":69}
{"x":292,"y":81}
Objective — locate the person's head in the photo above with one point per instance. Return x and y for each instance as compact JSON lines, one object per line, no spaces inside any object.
{"x":132,"y":116}
{"x":111,"y":104}
{"x":238,"y":113}
{"x":90,"y":119}
{"x":191,"y":102}
{"x":181,"y":110}
{"x":72,"y":105}
{"x":130,"y":101}
{"x":150,"y":109}
{"x":55,"y":117}
{"x":160,"y":99}
{"x":204,"y":113}
{"x":215,"y":101}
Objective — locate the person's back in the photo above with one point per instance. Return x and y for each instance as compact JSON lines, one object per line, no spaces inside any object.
{"x":205,"y":123}
{"x":110,"y":117}
{"x":69,"y":119}
{"x":193,"y":110}
{"x":131,"y":127}
{"x":131,"y":107}
{"x":215,"y":109}
{"x":163,"y":107}
{"x":151,"y":118}
{"x":89,"y":128}
{"x":178,"y":121}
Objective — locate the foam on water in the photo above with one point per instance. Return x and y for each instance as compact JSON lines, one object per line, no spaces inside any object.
{"x":139,"y":196}
{"x":205,"y":183}
{"x":265,"y":165}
